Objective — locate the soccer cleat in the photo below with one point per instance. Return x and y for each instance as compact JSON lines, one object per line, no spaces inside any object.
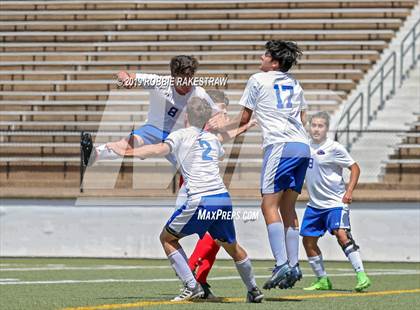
{"x":279,"y":273}
{"x":208,"y":294}
{"x":254,"y":296}
{"x":321,"y":284}
{"x":295,"y":275}
{"x":86,"y":147}
{"x":189,"y":294}
{"x":363,"y":282}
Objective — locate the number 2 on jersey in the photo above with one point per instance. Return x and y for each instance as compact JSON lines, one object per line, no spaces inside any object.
{"x":207,"y":149}
{"x":284,"y":88}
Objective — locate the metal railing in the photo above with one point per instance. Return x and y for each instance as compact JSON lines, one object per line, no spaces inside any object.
{"x":413,"y":34}
{"x":380,"y":85}
{"x":349,"y":116}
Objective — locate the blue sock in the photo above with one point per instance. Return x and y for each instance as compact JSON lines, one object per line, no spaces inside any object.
{"x":277,"y":238}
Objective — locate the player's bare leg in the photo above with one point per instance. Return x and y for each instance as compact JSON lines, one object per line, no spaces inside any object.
{"x":315,"y":260}
{"x":351,"y":250}
{"x":311,"y":246}
{"x":179,"y":263}
{"x":244,"y":267}
{"x":106,"y":151}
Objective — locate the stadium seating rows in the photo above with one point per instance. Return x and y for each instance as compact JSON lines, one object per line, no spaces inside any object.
{"x":58,"y":61}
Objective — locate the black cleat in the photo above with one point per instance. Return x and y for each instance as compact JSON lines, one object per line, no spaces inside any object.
{"x":208,"y":294}
{"x":254,"y":296}
{"x":86,"y":147}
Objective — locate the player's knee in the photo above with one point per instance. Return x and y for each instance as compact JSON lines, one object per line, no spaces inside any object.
{"x":309,"y":242}
{"x":162,"y":236}
{"x":136,"y":141}
{"x":165,"y":237}
{"x":341,"y":236}
{"x":348,"y":244}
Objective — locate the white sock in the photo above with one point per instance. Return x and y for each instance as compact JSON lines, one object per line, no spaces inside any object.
{"x":247,"y":275}
{"x":356,"y":261}
{"x":182,"y":252}
{"x":277,"y":242}
{"x":317,"y":265}
{"x":292,"y":245}
{"x":180,"y":265}
{"x":105,"y":153}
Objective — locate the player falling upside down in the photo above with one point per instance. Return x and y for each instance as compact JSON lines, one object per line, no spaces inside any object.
{"x":278,"y":102}
{"x":166,"y":109}
{"x":206,"y":249}
{"x":328,"y":203}
{"x":198,"y":151}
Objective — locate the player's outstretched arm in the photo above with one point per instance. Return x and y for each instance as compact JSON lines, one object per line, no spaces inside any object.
{"x":220,"y":124}
{"x":230,"y":134}
{"x":354,"y":178}
{"x":146,"y":151}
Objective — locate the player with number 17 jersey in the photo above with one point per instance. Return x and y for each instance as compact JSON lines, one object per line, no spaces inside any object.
{"x":277,"y":100}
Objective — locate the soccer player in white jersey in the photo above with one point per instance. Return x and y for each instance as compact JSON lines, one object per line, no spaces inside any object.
{"x":166,"y":109}
{"x":276,"y":98}
{"x":328,"y":207}
{"x":208,"y":207}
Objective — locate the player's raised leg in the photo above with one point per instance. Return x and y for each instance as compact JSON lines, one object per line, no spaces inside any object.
{"x":108,"y":151}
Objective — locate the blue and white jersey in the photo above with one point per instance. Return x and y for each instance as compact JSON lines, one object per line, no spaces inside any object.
{"x":197,"y":153}
{"x":167,"y":108}
{"x":324,"y":177}
{"x":277,"y":100}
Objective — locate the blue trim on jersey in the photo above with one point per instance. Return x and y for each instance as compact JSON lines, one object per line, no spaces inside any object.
{"x":291,"y":171}
{"x":220,"y":229}
{"x":316,"y":222}
{"x":267,"y":153}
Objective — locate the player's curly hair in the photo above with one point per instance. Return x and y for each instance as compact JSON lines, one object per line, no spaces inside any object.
{"x":199,"y":112}
{"x":285,"y":52}
{"x":183,"y":65}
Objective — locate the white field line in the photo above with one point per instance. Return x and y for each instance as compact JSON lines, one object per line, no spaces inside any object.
{"x":134,"y":267}
{"x":406,"y":272}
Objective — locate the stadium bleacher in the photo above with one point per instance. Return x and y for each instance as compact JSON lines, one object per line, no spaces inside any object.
{"x":58,"y":61}
{"x":404,"y":165}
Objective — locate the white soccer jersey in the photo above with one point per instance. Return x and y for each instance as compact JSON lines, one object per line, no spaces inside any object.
{"x":166,"y":106}
{"x":324,"y":177}
{"x":277,"y":100}
{"x":197,"y":153}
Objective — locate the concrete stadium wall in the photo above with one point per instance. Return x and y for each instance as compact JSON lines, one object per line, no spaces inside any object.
{"x":384,"y":232}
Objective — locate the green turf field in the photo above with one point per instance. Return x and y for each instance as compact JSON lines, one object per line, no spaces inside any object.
{"x":134,"y":284}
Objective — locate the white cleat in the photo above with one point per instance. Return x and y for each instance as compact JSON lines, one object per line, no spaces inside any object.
{"x":190,"y":294}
